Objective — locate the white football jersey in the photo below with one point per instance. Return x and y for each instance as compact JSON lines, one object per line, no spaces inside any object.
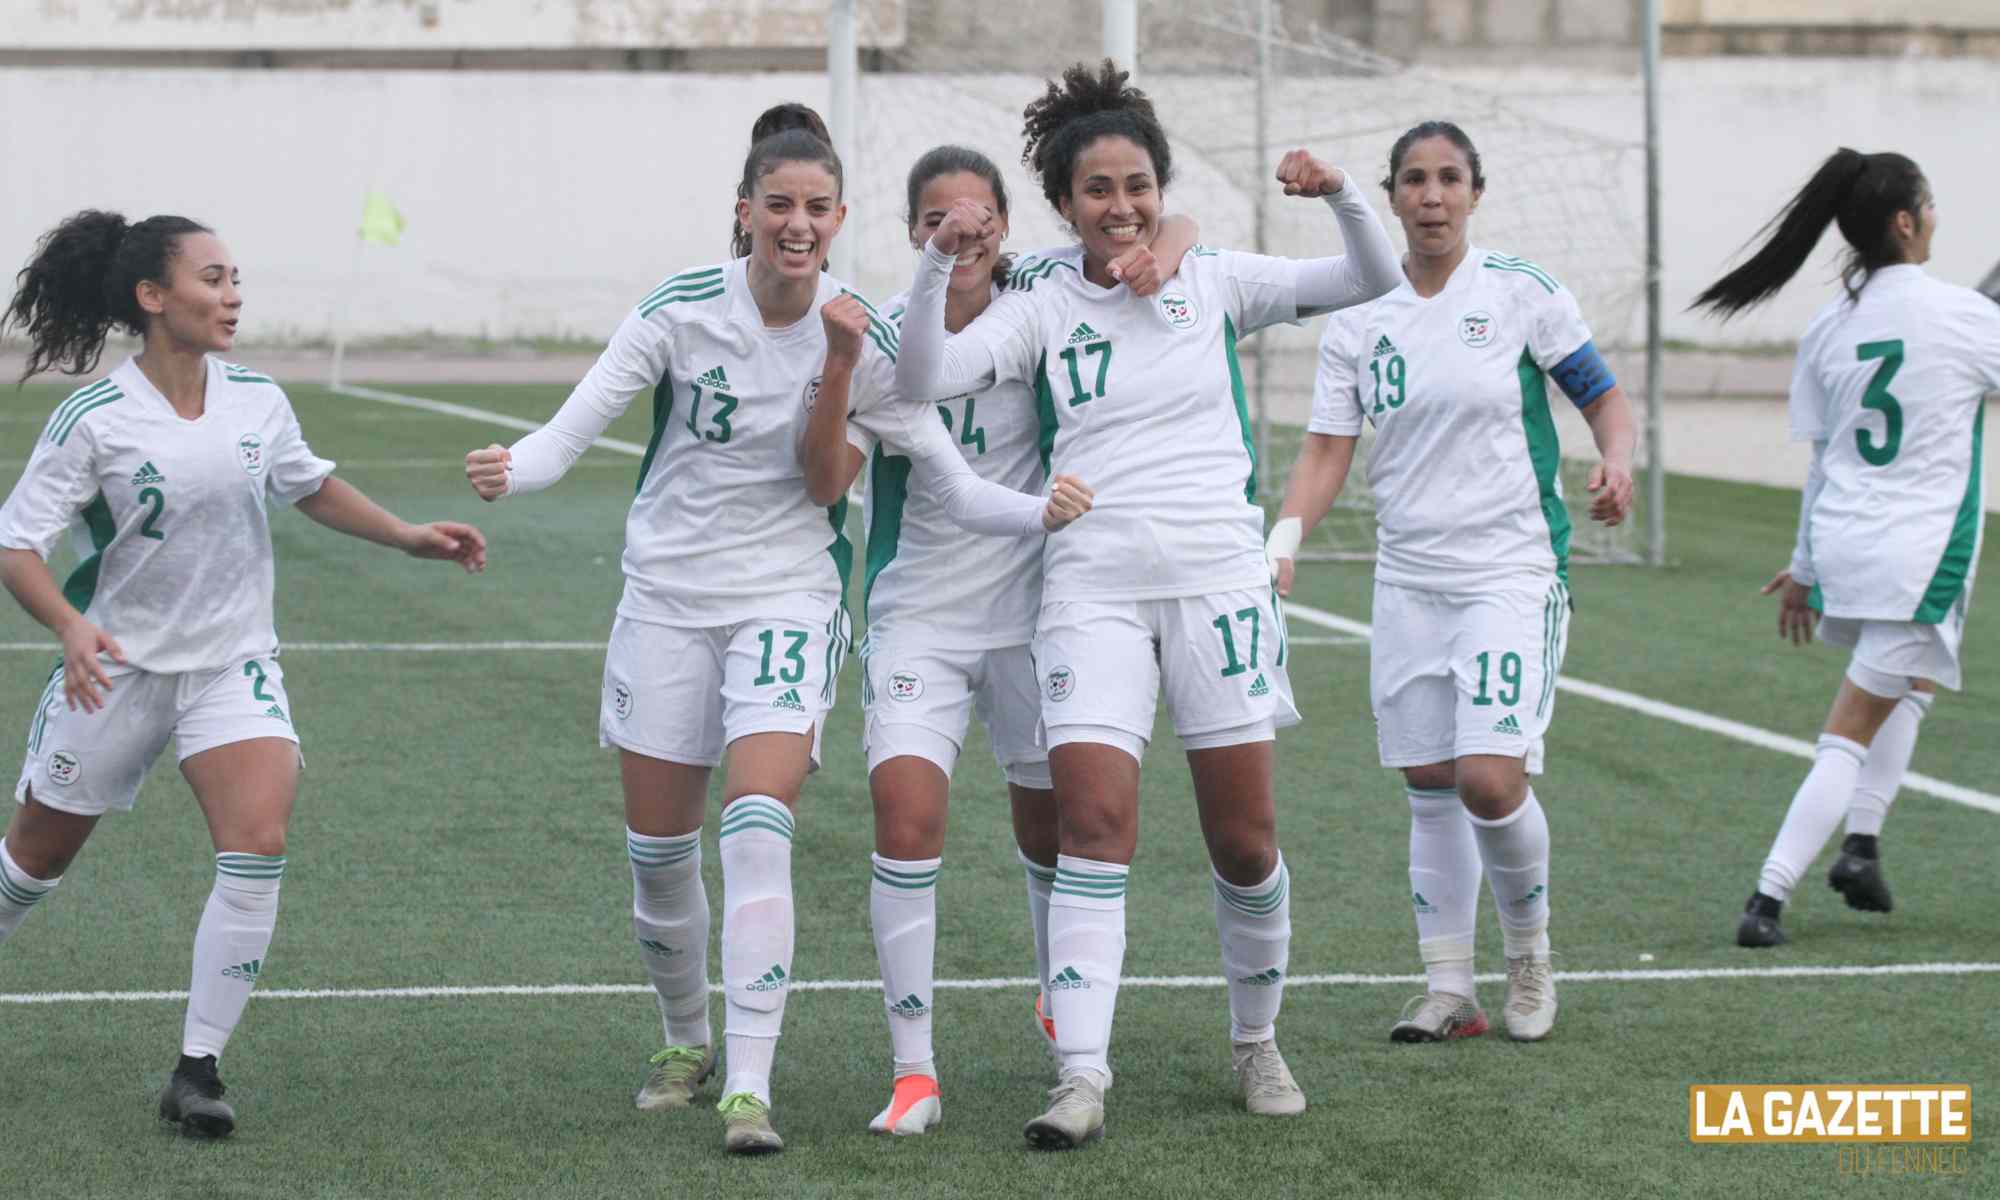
{"x":722,"y":529}
{"x":170,"y":517}
{"x":926,"y":577}
{"x":1142,"y":398}
{"x":1894,"y":383}
{"x":1465,"y":466}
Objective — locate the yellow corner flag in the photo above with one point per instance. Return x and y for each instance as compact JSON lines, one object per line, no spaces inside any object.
{"x":380,"y":222}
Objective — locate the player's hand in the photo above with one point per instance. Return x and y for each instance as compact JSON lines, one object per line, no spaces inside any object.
{"x":965,"y":222}
{"x":489,"y":471}
{"x":83,"y":675}
{"x":1304,"y":175}
{"x":449,"y":541}
{"x":1796,"y":617}
{"x":1280,"y":551}
{"x":1138,"y":270}
{"x":1611,"y":492}
{"x":846,"y":323}
{"x":1069,"y":499}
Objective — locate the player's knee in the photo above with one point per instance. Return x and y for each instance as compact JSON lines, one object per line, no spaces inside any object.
{"x":1244,"y":858}
{"x":1431,"y":777}
{"x":1099,"y":829}
{"x":1491,"y":791}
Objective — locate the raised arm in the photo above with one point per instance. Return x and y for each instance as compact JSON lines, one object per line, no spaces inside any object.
{"x":341,"y":507}
{"x":978,"y":505}
{"x":1369,"y":268}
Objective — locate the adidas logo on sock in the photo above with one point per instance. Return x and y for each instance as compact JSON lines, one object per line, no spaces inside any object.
{"x":1270,"y":978}
{"x":909,"y":1006}
{"x":1422,"y":905}
{"x":1508,"y":724}
{"x":247,"y":971}
{"x":790,"y":700}
{"x":279,"y":713}
{"x":1260,"y":688}
{"x":148,"y":474}
{"x":1066,"y":979}
{"x":659,"y":948}
{"x":712,"y":378}
{"x":773,"y":979}
{"x":1082,"y":333}
{"x":1384,"y":346}
{"x":1534,"y":894}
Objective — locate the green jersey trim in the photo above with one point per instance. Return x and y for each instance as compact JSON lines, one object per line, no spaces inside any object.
{"x":80,"y":404}
{"x":1045,"y":412}
{"x":237,"y":374}
{"x":81,"y":586}
{"x":663,"y":407}
{"x":1948,"y":582}
{"x":1545,"y":452}
{"x":687,"y":286}
{"x":1504,"y":262}
{"x":883,"y":334}
{"x":1242,"y":406}
{"x":1025,"y":278}
{"x":888,"y":490}
{"x":840,"y":549}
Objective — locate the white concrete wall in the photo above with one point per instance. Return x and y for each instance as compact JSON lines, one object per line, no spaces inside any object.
{"x":544,"y":203}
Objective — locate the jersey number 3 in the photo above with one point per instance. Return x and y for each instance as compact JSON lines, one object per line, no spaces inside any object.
{"x":1874,"y":453}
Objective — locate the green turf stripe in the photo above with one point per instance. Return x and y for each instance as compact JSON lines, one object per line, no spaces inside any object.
{"x":62,"y":435}
{"x":679,"y":298}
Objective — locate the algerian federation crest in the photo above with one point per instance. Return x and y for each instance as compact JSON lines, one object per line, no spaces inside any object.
{"x":905,"y":686}
{"x":1475,"y":329}
{"x":1179,"y":310}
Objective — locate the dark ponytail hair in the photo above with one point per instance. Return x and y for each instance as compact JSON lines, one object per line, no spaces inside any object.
{"x":951,"y":160}
{"x":1431,"y":129}
{"x":1089,"y":104}
{"x":789,"y":132}
{"x":80,"y":283}
{"x":1862,"y":193}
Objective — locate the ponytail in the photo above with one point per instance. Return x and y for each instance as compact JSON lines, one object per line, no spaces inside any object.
{"x":81,"y":282}
{"x":1861,"y":193}
{"x":789,"y":132}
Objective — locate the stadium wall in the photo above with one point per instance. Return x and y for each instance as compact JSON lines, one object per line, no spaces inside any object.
{"x":542,"y":204}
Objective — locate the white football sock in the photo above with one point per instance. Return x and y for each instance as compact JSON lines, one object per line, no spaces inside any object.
{"x":1444,"y":888}
{"x":1254,"y":926}
{"x":1041,"y":880}
{"x":1515,"y":849}
{"x":19,"y":892}
{"x":229,"y":948}
{"x":1888,"y":760}
{"x":1816,"y":810}
{"x":757,"y":931}
{"x":670,"y":921}
{"x":1086,"y":958}
{"x":902,"y":911}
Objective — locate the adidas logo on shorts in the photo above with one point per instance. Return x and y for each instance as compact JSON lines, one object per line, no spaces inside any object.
{"x":278,"y":714}
{"x":1082,"y":333}
{"x":790,"y":700}
{"x":1508,"y":724}
{"x":1259,"y":688}
{"x":713,"y":378}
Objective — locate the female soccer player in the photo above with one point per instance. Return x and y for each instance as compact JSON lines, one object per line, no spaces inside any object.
{"x":732,"y":627}
{"x":1888,"y":389}
{"x":1471,"y":607}
{"x":948,"y":632}
{"x":1166,"y":583}
{"x":166,"y":469}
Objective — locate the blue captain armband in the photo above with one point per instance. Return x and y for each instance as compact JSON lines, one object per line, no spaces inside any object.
{"x":1584,"y":376}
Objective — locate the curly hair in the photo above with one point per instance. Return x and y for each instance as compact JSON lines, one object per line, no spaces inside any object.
{"x":789,"y":132}
{"x":951,"y":160}
{"x":81,"y":282}
{"x":1089,"y":103}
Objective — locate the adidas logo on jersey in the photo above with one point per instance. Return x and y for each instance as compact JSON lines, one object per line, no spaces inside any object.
{"x":247,"y":971}
{"x":1269,"y":978}
{"x":772,"y":980}
{"x":659,"y":948}
{"x":909,"y":1006}
{"x":148,"y":474}
{"x":1066,"y":979}
{"x":1508,"y":724}
{"x":1383,"y":346}
{"x":1083,"y":333}
{"x":714,"y":377}
{"x":790,"y":700}
{"x":1260,"y":688}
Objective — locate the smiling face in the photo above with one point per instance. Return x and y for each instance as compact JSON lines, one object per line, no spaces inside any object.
{"x":1434,"y":197}
{"x":974,"y":270}
{"x":792,"y":216}
{"x":197,"y":305}
{"x":1114,"y":199}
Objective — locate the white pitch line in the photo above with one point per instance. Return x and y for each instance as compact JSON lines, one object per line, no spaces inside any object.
{"x":510,"y":990}
{"x":471,"y":414}
{"x":1692,"y":718}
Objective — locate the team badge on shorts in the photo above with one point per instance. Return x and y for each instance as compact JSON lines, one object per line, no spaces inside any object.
{"x":1061,"y":684}
{"x":905,"y":686}
{"x":1475,"y":329}
{"x":621,"y":700}
{"x":1179,"y":310}
{"x":250,"y":452}
{"x":64,"y":769}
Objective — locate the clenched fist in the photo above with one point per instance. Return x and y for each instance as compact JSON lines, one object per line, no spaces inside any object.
{"x":1304,"y":175}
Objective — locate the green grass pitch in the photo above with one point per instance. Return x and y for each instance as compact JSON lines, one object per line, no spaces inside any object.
{"x":459,"y":826}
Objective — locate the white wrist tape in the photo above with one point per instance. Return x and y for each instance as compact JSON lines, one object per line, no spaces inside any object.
{"x":1283,"y":542}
